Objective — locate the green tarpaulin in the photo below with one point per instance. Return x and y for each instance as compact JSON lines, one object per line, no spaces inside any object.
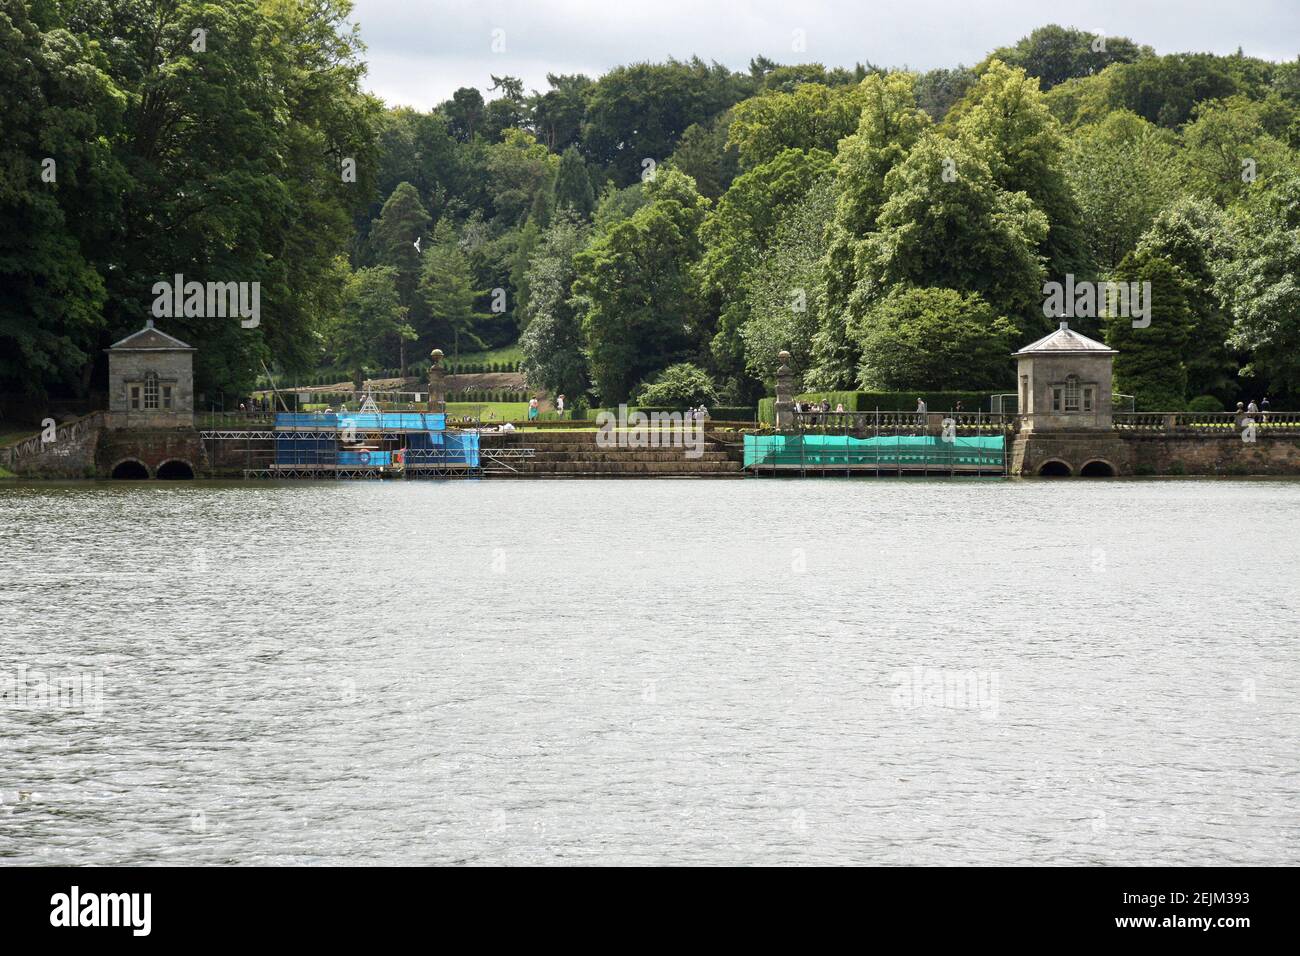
{"x":821,"y":451}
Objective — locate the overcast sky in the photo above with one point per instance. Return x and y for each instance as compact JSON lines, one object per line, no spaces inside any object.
{"x":422,"y":50}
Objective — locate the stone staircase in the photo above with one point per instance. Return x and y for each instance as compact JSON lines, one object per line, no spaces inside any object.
{"x":576,"y":454}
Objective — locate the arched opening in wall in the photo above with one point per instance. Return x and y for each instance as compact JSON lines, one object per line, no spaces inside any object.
{"x":1054,"y":469}
{"x":1097,"y":469}
{"x":175,"y":470}
{"x":130,"y":470}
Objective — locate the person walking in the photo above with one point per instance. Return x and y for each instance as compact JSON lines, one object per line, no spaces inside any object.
{"x":532,"y":409}
{"x":1263,"y":407}
{"x":559,"y":404}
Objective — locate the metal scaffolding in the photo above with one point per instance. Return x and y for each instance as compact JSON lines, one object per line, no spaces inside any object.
{"x":398,"y":460}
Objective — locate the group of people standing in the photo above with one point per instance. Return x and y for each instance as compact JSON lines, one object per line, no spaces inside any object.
{"x":535,"y":408}
{"x":1247,"y":413}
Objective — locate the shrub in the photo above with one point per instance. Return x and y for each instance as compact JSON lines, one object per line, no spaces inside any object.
{"x":1205,"y":403}
{"x":937,"y":337}
{"x":679,"y":386}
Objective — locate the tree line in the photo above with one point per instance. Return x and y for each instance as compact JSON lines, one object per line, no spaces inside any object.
{"x":664,"y":228}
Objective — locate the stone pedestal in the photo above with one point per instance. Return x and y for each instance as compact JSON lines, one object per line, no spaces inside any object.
{"x":437,"y":382}
{"x":784,"y":407}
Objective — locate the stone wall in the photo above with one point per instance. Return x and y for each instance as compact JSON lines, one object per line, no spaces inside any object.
{"x":1155,"y":453}
{"x":173,"y":368}
{"x":151,"y":447}
{"x":1213,"y":455}
{"x":70,"y":455}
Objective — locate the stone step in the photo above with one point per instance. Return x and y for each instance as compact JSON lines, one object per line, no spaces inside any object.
{"x":579,"y":475}
{"x":587,"y":438}
{"x":630,"y":467}
{"x":571,"y":451}
{"x":630,"y":456}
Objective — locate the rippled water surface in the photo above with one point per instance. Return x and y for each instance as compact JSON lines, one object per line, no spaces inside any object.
{"x":878,"y":671}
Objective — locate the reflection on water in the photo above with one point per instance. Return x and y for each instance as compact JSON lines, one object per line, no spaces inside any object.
{"x":765,"y":671}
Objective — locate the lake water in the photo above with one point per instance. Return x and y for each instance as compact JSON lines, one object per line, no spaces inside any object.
{"x":764,"y":671}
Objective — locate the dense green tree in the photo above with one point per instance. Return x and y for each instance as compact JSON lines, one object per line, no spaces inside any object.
{"x":371,"y":314}
{"x":615,"y":205}
{"x":704,"y":155}
{"x":1005,"y":117}
{"x":1123,"y":170}
{"x":1165,"y":89}
{"x":639,"y":112}
{"x":1193,"y":235}
{"x":508,"y":111}
{"x":256,"y":158}
{"x":890,"y":124}
{"x":784,"y":294}
{"x":1054,"y":53}
{"x":1152,"y":350}
{"x":392,"y":240}
{"x":552,"y":337}
{"x":736,"y":235}
{"x":811,"y":117}
{"x":447,"y":290}
{"x":556,"y":115}
{"x":1228,"y":147}
{"x":937,"y":90}
{"x":636,"y":290}
{"x":235,"y":156}
{"x":934,"y":339}
{"x":51,"y":296}
{"x":573,"y":190}
{"x":465,"y":113}
{"x":789,"y":77}
{"x":518,"y":169}
{"x":1259,"y":286}
{"x":946,"y":224}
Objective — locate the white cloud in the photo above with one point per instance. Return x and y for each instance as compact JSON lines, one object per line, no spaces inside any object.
{"x":422,"y":50}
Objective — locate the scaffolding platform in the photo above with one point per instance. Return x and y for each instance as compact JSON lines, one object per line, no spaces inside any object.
{"x":825,"y":455}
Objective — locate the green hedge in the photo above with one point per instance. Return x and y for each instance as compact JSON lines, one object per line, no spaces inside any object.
{"x":487,"y":395}
{"x":476,"y":368}
{"x":884,"y":401}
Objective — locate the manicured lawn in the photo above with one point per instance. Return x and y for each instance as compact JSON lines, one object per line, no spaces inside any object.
{"x":495,"y":411}
{"x":507,"y":353}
